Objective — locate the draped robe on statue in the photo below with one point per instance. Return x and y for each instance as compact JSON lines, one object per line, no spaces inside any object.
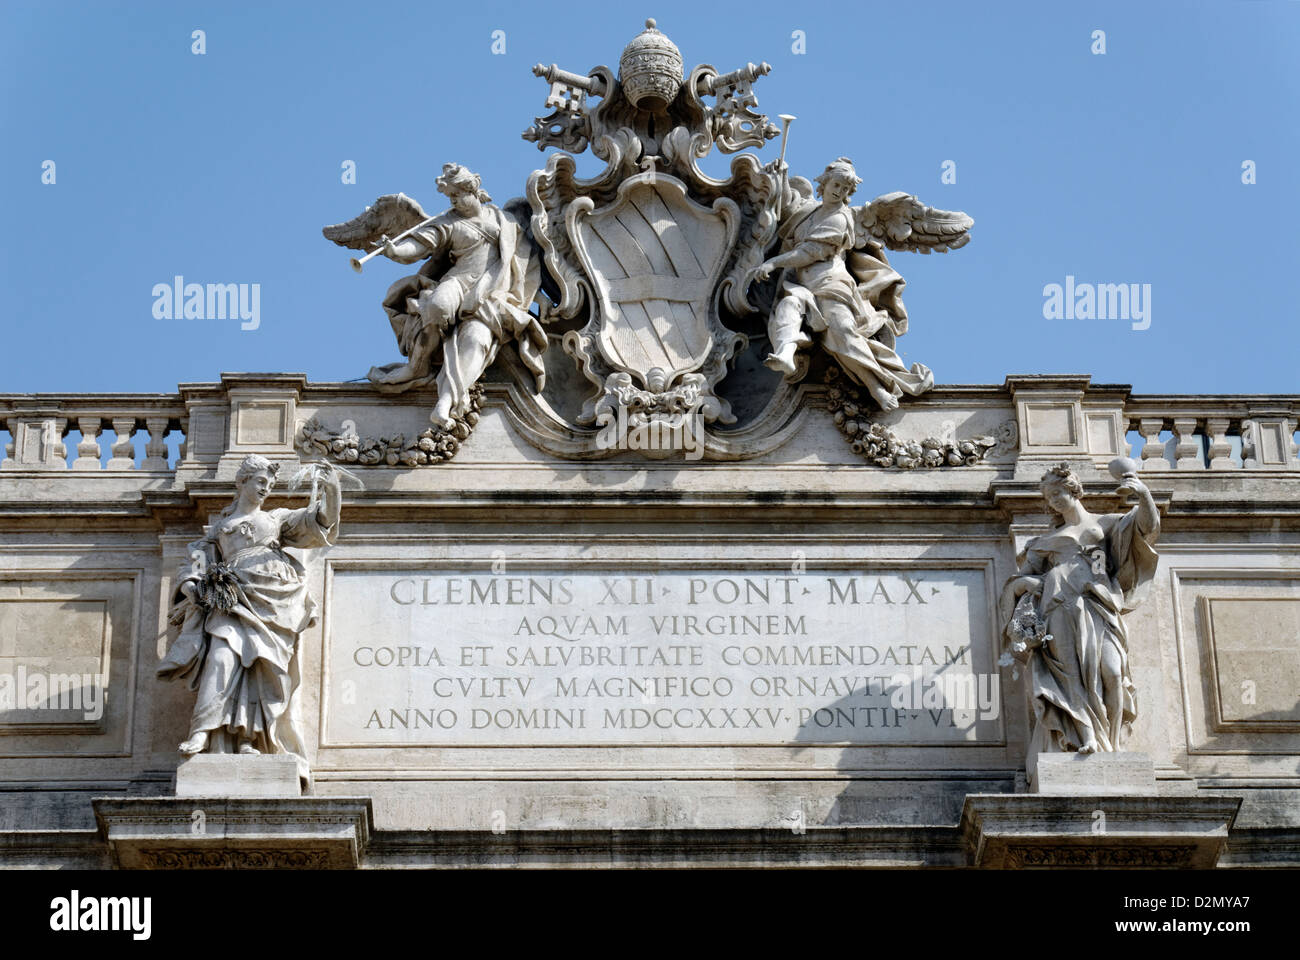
{"x":242,"y":660}
{"x":481,"y":269}
{"x":1087,"y":586}
{"x":851,"y":296}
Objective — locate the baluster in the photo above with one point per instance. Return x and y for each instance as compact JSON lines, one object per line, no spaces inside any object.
{"x":1187,"y":451}
{"x":123,"y":446}
{"x":60,"y":427}
{"x":1219,"y":449}
{"x":183,"y":425}
{"x":155,"y":451}
{"x":1249,"y":445}
{"x":1153,"y":450}
{"x":8,"y":461}
{"x":88,"y":449}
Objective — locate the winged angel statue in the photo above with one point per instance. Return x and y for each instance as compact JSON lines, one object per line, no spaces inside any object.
{"x":471,"y":295}
{"x":647,"y":275}
{"x":838,"y":283}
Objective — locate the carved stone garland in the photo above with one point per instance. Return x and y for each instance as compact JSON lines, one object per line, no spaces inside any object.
{"x":881,"y":446}
{"x":434,"y":445}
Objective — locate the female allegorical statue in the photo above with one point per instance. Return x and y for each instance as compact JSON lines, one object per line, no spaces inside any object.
{"x":853,"y":304}
{"x":242,"y":604}
{"x":1064,"y":609}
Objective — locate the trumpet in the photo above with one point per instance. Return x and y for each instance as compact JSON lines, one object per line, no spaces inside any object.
{"x":359,"y":262}
{"x":786,"y":119}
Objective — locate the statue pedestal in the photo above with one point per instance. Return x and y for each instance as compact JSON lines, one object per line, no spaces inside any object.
{"x":1119,"y":774}
{"x":220,"y":833}
{"x":237,"y":775}
{"x":1018,"y":831}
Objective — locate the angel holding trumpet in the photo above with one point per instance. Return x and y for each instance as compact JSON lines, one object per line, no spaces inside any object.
{"x":480,"y":275}
{"x":837,"y":282}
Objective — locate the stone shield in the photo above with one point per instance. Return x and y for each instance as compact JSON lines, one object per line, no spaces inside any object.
{"x":654,"y":258}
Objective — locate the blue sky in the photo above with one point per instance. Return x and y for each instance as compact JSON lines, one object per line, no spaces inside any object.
{"x":1117,"y":168}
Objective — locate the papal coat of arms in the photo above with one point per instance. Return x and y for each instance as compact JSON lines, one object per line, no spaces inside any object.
{"x":675,"y":297}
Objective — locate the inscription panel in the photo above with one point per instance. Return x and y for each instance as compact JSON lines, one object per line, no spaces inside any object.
{"x":569,"y":654}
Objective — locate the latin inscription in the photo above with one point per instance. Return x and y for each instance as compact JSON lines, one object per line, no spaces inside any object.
{"x":670,"y":657}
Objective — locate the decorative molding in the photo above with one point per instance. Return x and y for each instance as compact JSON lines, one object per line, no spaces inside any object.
{"x":235,"y":859}
{"x":1026,"y":856}
{"x":434,"y":445}
{"x":879,"y":445}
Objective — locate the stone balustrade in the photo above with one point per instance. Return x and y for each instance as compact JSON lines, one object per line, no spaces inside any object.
{"x":39,"y":426}
{"x":1071,"y":418}
{"x":1215,"y":433}
{"x":1058,"y":417}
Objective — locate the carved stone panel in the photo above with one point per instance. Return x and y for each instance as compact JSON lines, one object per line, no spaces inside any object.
{"x":569,"y":655}
{"x":655,"y":258}
{"x":1254,"y":645}
{"x":65,"y":639}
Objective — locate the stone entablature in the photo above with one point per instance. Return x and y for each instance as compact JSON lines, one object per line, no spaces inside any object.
{"x":1034,"y":418}
{"x":103,"y":546}
{"x":651,"y":550}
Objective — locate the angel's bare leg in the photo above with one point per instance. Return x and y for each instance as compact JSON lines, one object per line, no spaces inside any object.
{"x":783,"y":329}
{"x":884,"y":397}
{"x":435,"y":310}
{"x":466,"y":353}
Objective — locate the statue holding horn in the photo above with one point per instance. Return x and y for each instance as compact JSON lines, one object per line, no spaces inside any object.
{"x":837,"y":283}
{"x":472,"y":294}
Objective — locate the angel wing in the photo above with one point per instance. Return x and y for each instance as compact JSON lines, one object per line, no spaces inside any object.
{"x":902,"y":222}
{"x":518,"y":210}
{"x":392,"y":214}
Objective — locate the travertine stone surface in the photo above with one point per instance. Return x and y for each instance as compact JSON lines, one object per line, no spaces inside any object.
{"x":233,"y":775}
{"x":1101,"y":774}
{"x":239,"y":607}
{"x":1097,"y":831}
{"x":688,"y":568}
{"x":1063,"y":613}
{"x":257,"y":833}
{"x":811,"y":511}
